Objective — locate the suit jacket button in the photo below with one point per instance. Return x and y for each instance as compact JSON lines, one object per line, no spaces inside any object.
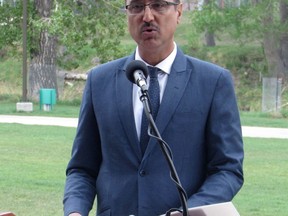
{"x":142,"y":173}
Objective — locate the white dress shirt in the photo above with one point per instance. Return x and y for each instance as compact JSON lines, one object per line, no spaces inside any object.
{"x":165,"y":66}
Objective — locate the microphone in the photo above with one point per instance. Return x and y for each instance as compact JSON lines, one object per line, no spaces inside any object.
{"x":137,"y":72}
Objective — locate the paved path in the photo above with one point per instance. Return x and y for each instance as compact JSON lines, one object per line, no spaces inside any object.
{"x":39,"y":120}
{"x":264,"y":132}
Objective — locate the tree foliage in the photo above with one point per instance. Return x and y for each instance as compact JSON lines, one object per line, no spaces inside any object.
{"x":76,"y":24}
{"x":97,"y":24}
{"x":59,"y":32}
{"x":261,"y":21}
{"x":10,"y":25}
{"x":210,"y":17}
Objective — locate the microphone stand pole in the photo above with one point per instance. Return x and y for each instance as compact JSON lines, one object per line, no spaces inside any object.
{"x":183,"y":197}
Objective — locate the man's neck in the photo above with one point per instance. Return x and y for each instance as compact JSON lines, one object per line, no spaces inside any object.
{"x":153,"y":57}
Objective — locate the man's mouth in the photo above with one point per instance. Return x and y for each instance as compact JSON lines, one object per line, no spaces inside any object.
{"x":148,"y":29}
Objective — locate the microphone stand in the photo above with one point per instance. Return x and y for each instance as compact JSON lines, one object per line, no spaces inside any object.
{"x":144,"y":97}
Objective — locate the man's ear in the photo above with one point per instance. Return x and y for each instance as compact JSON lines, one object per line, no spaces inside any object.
{"x":179,"y":11}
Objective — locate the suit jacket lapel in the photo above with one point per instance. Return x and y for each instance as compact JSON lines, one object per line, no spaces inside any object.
{"x":176,"y":85}
{"x":125,"y":106}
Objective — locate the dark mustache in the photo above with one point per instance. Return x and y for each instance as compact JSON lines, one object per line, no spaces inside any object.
{"x":150,"y":25}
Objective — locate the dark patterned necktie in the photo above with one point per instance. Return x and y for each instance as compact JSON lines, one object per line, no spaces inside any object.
{"x":154,"y":95}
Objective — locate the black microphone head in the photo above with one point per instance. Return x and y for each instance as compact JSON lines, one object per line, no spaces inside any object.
{"x":134,"y":66}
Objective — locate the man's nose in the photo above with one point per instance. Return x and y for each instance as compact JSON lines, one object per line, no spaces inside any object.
{"x":148,"y":15}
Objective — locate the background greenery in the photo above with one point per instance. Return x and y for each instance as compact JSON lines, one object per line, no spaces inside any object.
{"x":246,"y":63}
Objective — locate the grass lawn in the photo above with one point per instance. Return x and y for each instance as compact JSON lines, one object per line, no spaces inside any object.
{"x":263,"y":120}
{"x":59,"y":110}
{"x":265,"y":189}
{"x":33,"y":162}
{"x":34,"y":158}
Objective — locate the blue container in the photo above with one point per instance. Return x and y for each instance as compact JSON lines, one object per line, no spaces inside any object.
{"x":47,"y":99}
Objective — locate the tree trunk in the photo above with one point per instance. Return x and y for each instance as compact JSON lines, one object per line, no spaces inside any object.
{"x":284,"y":36}
{"x":209,"y":35}
{"x":43,"y":58}
{"x":272,"y":46}
{"x":221,"y":4}
{"x":188,"y":3}
{"x":210,"y":39}
{"x":272,"y":54}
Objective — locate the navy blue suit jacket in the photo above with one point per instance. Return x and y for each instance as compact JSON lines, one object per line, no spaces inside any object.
{"x":198,"y":118}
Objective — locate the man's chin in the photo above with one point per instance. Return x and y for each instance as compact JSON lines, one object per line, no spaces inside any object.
{"x":151,"y":43}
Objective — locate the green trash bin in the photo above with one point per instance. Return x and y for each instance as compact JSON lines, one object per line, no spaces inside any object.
{"x":47,"y":99}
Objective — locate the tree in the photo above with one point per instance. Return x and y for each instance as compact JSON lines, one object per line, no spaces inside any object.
{"x":73,"y":25}
{"x":209,"y":19}
{"x":262,"y":20}
{"x":10,"y":25}
{"x":209,"y":33}
{"x":271,"y":42}
{"x":43,"y":57}
{"x":284,"y":34}
{"x":70,"y":25}
{"x":274,"y":30}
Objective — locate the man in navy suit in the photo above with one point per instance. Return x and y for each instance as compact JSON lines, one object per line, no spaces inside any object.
{"x":198,"y":118}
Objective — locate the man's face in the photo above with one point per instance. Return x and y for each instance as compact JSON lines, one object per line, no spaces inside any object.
{"x":154,"y":30}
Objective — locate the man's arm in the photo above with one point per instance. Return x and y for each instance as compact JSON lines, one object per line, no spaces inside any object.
{"x":83,"y":168}
{"x":224,"y":148}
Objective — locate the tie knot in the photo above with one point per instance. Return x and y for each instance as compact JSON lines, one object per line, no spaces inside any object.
{"x":153,"y":72}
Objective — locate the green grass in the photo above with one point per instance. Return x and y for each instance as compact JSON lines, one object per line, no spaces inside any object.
{"x":58,"y":110}
{"x":263,"y":119}
{"x":265,"y":189}
{"x":34,"y":158}
{"x":33,"y":161}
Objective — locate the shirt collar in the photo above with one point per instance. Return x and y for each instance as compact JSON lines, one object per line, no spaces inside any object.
{"x":164,"y":65}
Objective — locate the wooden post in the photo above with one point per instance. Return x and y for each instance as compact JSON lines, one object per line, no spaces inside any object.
{"x":24,"y":31}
